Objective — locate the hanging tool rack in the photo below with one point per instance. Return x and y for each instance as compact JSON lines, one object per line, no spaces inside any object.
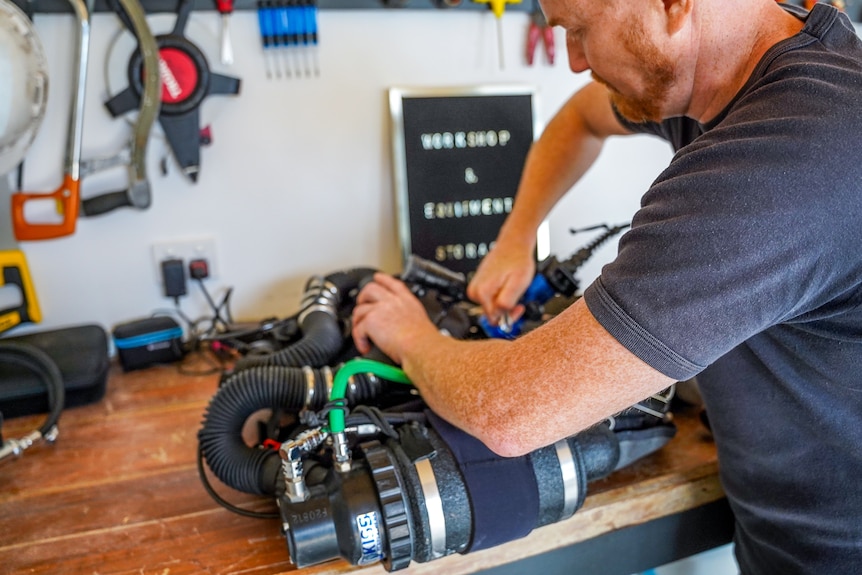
{"x":155,"y":6}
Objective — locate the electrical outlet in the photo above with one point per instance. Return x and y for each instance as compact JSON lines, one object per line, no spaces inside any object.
{"x":186,"y":250}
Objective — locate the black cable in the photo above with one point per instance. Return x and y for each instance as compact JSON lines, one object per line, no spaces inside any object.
{"x":223,"y":502}
{"x":216,"y":319}
{"x":198,"y":335}
{"x":225,"y":303}
{"x":316,"y":419}
{"x":377,"y":417}
{"x":40,"y":363}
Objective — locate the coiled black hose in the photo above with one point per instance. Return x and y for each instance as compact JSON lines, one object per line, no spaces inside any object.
{"x":322,"y":336}
{"x":321,"y":340}
{"x":40,"y":363}
{"x":250,"y":469}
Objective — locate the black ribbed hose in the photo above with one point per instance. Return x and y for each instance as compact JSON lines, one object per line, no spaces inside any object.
{"x":251,"y":469}
{"x":322,"y":336}
{"x":40,"y":363}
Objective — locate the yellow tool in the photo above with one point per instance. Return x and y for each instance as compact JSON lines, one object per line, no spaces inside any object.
{"x":498,"y":7}
{"x":17,"y":297}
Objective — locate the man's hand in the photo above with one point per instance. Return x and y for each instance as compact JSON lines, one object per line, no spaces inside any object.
{"x":388,"y":315}
{"x":502,"y":278}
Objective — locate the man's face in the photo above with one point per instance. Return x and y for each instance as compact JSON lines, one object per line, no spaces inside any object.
{"x":612,"y":39}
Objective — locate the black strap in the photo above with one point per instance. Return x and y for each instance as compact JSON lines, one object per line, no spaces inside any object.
{"x":503,"y":491}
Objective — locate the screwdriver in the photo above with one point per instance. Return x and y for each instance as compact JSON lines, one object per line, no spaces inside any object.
{"x":225,"y":7}
{"x":310,"y":12}
{"x":498,"y":7}
{"x":266,"y":34}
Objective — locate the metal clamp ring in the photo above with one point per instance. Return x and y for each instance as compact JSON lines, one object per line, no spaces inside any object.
{"x":309,"y":383}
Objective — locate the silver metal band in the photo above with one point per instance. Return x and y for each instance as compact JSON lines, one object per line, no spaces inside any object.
{"x":309,"y":384}
{"x":433,"y":506}
{"x":569,"y":471}
{"x":320,"y":295}
{"x":327,"y":377}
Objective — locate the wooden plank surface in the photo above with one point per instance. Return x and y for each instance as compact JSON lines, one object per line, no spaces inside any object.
{"x":119,"y":492}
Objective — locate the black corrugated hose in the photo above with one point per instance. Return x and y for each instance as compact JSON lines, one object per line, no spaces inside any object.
{"x":40,"y":363}
{"x":251,"y":469}
{"x":322,"y":336}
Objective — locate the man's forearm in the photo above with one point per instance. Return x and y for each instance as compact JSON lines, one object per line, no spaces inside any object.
{"x":567,"y":148}
{"x":569,"y":372}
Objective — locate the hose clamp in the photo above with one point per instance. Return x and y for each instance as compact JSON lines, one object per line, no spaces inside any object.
{"x":569,"y":471}
{"x":351,"y":385}
{"x":309,"y":385}
{"x":433,"y":506}
{"x":328,"y":378}
{"x":320,"y":295}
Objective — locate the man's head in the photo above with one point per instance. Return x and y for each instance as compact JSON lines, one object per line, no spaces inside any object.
{"x":629,"y":46}
{"x":664,"y":58}
{"x":658,"y":77}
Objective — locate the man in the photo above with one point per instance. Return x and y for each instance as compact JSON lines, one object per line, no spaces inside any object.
{"x":743,"y":266}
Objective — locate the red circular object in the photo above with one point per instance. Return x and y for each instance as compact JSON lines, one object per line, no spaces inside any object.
{"x":178,"y":73}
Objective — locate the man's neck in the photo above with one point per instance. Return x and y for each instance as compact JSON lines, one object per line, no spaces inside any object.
{"x":724,"y":62}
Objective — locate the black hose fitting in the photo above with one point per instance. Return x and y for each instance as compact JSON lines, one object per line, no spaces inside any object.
{"x":251,"y":469}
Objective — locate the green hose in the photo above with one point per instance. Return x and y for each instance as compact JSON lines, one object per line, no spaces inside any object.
{"x":352,"y":367}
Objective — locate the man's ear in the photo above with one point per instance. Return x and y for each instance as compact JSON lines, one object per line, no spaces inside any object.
{"x":677,"y":12}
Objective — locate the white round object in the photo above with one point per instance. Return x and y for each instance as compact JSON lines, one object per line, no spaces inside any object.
{"x":24,"y":89}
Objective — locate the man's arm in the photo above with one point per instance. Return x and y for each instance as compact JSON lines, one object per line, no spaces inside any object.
{"x":513,"y":396}
{"x":557,"y":160}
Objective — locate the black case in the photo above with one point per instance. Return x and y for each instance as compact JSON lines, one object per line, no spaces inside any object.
{"x":81,"y":354}
{"x":150,"y":341}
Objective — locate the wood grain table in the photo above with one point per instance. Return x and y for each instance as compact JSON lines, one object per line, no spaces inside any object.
{"x":119,"y":493}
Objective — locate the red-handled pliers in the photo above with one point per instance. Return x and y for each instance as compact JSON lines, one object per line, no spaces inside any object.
{"x":539,"y":29}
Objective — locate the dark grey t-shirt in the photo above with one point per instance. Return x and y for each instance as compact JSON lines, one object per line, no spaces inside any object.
{"x":744,"y":267}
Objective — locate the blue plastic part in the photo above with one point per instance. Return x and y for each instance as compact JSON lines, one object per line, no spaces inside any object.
{"x":539,"y":291}
{"x":149,"y":338}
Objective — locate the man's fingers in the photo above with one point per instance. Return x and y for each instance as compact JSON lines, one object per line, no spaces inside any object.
{"x":392,"y":283}
{"x":360,"y":337}
{"x":507,"y":298}
{"x":382,"y":286}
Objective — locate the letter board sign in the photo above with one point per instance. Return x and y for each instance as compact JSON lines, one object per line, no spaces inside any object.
{"x":458,"y":154}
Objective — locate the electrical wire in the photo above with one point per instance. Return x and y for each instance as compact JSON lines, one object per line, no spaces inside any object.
{"x":224,"y":502}
{"x":217,"y":320}
{"x":376,"y":417}
{"x":204,"y":330}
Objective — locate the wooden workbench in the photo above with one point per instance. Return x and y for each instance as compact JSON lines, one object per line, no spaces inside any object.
{"x":119,"y":493}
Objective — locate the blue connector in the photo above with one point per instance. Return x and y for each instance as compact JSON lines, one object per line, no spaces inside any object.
{"x":538,"y":292}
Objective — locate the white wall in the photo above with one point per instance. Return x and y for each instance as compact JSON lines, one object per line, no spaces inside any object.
{"x":298,"y":179}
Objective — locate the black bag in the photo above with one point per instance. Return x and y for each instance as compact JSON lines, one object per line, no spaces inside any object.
{"x":80,"y":353}
{"x":150,"y":341}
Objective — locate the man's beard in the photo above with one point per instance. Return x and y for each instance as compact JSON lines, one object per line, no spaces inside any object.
{"x":658,"y":72}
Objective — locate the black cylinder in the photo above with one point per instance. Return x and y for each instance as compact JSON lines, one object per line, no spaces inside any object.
{"x":436,"y":490}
